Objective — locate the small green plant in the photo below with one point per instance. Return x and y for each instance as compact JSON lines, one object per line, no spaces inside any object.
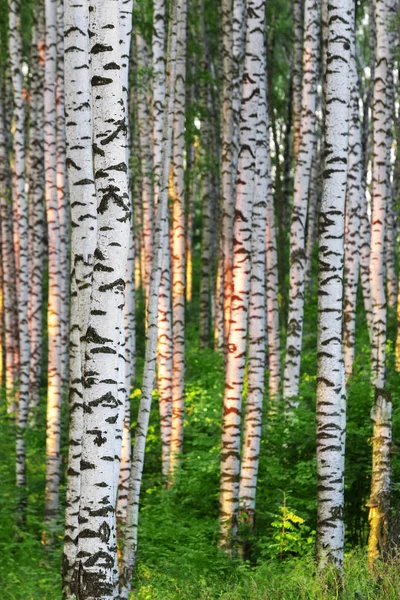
{"x":291,"y":536}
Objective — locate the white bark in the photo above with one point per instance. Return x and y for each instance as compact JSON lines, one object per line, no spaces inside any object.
{"x":354,"y":192}
{"x":302,"y":174}
{"x":331,"y":392}
{"x":178,"y":234}
{"x":257,"y":313}
{"x":21,"y":210}
{"x":130,"y":539}
{"x":104,"y":372}
{"x":36,"y":213}
{"x":236,"y":344}
{"x":54,"y":297}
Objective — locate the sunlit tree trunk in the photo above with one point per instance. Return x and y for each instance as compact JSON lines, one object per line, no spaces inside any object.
{"x":131,"y":529}
{"x":354,"y":192}
{"x":257,"y":314}
{"x":8,"y":268}
{"x":82,"y":194}
{"x":54,"y":296}
{"x":236,"y":343}
{"x":302,"y":174}
{"x":178,"y":248}
{"x":21,"y":205}
{"x":36,"y":212}
{"x":331,"y":391}
{"x":382,"y":115}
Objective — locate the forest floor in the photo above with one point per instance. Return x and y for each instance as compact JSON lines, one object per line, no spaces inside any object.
{"x":178,"y":556}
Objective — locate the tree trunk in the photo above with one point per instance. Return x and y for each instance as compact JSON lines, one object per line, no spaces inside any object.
{"x":382,"y":115}
{"x":354,"y":192}
{"x":297,"y":72}
{"x":130,"y":539}
{"x":21,"y":205}
{"x":82,"y":194}
{"x":54,"y":298}
{"x":299,"y":212}
{"x":236,"y":346}
{"x":257,"y":313}
{"x":331,"y":391}
{"x":36,"y":213}
{"x":178,"y":248}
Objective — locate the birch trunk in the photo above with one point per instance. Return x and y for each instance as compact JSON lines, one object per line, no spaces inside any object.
{"x":82,"y":194}
{"x":331,"y":391}
{"x":146,"y":158}
{"x":21,"y":206}
{"x":312,"y":12}
{"x":104,"y":372}
{"x":224,"y":278}
{"x":125,"y":17}
{"x":354,"y":192}
{"x":62,"y":196}
{"x":54,"y":297}
{"x":8,"y":269}
{"x":130,"y":539}
{"x":178,"y":248}
{"x":236,"y":346}
{"x":36,"y":213}
{"x":297,"y":73}
{"x":257,"y":313}
{"x":382,"y":115}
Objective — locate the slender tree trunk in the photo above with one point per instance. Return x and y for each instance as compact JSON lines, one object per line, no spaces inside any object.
{"x":8,"y":269}
{"x":224,"y":277}
{"x":236,"y":346}
{"x":36,"y":213}
{"x":297,"y":72}
{"x":130,"y":539}
{"x":354,"y":192}
{"x":62,"y":196}
{"x":307,"y":134}
{"x":178,"y":248}
{"x":21,"y":205}
{"x":54,"y":298}
{"x":82,"y":193}
{"x":146,"y":158}
{"x":125,"y":14}
{"x":382,"y":114}
{"x":257,"y":313}
{"x":331,"y":391}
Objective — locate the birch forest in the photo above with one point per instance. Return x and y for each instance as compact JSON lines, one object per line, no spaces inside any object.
{"x":199,"y":299}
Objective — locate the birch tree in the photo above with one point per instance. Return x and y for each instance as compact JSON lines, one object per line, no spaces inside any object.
{"x":82,"y":194}
{"x":379,"y":502}
{"x":131,"y":529}
{"x":178,"y":246}
{"x":297,"y":69}
{"x":331,"y":392}
{"x":236,"y":344}
{"x":104,"y":373}
{"x":352,"y":220}
{"x":312,"y":16}
{"x":54,"y":274}
{"x":257,"y":314}
{"x":21,"y":210}
{"x":36,"y":211}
